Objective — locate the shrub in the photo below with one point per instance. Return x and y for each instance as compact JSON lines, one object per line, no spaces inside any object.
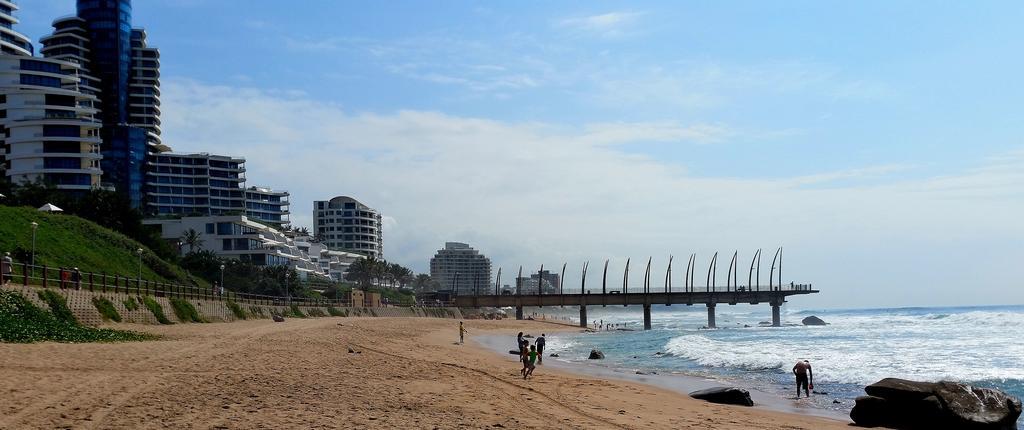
{"x":316,"y":312}
{"x":334,"y":312}
{"x":156,"y":309}
{"x":106,"y":309}
{"x":185,"y":311}
{"x":235,"y":309}
{"x":23,"y":322}
{"x":296,"y":312}
{"x":373,"y":312}
{"x":130,"y":304}
{"x":256,"y":310}
{"x":58,"y":305}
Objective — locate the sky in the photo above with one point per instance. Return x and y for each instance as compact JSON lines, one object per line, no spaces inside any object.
{"x":880,"y":143}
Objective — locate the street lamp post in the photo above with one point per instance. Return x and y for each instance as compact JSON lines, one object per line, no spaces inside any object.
{"x":222,"y":277}
{"x":35,"y":225}
{"x":139,"y":251}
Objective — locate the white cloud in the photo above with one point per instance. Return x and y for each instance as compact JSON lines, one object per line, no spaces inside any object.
{"x":531,"y":193}
{"x":606,"y":24}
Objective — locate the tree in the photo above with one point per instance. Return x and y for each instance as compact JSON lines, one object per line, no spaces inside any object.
{"x":302,"y":231}
{"x":193,"y":239}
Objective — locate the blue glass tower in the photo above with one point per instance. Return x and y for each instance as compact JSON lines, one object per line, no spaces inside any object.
{"x":109,"y":27}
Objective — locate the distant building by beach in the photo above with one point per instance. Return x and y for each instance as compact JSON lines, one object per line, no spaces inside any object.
{"x":545,"y":279}
{"x":238,"y":237}
{"x":345,"y":224}
{"x":461,"y":268}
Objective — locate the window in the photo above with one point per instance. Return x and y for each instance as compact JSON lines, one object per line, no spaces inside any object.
{"x":226,"y":244}
{"x":40,"y":66}
{"x":62,"y":131}
{"x":42,"y":81}
{"x":224,"y":228}
{"x":209,"y":228}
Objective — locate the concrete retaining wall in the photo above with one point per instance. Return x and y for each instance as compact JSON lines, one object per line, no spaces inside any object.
{"x":80,"y":303}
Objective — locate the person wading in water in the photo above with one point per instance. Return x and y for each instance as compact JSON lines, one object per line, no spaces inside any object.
{"x":804,"y":377}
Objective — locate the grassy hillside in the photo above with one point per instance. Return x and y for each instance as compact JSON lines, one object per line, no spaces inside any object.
{"x":70,"y":241}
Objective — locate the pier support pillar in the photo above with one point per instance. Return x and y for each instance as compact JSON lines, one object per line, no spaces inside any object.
{"x":583,"y":316}
{"x":647,"y":317}
{"x":776,"y":315}
{"x":519,"y":312}
{"x":711,"y":315}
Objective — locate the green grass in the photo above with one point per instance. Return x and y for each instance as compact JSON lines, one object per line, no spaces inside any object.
{"x":23,"y":322}
{"x":334,"y":312}
{"x":68,"y":241}
{"x":316,"y":312}
{"x":185,"y":311}
{"x":130,"y":304}
{"x":235,"y":309}
{"x":58,"y":305}
{"x":296,"y":312}
{"x":106,"y":309}
{"x":156,"y":309}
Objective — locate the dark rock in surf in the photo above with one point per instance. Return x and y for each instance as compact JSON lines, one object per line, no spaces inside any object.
{"x":596,"y":355}
{"x":813,"y":320}
{"x":724,"y":395}
{"x":900,"y":390}
{"x":903,"y":404}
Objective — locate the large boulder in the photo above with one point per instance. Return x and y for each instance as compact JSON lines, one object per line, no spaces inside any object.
{"x":278,"y":318}
{"x":726,"y":395}
{"x":903,"y":404}
{"x":813,"y":320}
{"x":900,"y":390}
{"x":596,"y":355}
{"x":973,"y":407}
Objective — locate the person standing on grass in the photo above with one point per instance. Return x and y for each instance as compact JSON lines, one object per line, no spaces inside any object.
{"x":8,"y":267}
{"x":462,"y":333}
{"x":540,"y":349}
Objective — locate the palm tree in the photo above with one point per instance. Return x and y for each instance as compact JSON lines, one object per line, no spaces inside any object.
{"x":193,"y":239}
{"x":302,"y":231}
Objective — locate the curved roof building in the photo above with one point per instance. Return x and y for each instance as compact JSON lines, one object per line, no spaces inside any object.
{"x":345,"y":224}
{"x":48,"y":128}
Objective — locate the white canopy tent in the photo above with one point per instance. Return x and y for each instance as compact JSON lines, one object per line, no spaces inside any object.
{"x":49,"y":207}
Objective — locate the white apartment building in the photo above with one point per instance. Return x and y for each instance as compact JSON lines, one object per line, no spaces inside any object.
{"x":461,"y":268}
{"x":48,"y":129}
{"x":345,"y":224}
{"x":235,"y":236}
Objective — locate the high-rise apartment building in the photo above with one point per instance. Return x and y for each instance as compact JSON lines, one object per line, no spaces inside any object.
{"x":267,"y":206}
{"x":47,"y":127}
{"x":124,"y":72}
{"x":345,"y":224}
{"x":195,"y":184}
{"x":462,"y":269}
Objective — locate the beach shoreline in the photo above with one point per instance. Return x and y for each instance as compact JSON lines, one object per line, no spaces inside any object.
{"x":400,"y":373}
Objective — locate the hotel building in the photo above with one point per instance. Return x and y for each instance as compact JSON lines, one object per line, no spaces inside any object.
{"x":460,"y":268}
{"x":345,"y":224}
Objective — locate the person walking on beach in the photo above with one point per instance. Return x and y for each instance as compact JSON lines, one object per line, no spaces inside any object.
{"x":8,"y":268}
{"x":804,"y":377}
{"x":524,"y":356}
{"x":462,"y":333}
{"x":529,"y":364}
{"x":540,"y":348}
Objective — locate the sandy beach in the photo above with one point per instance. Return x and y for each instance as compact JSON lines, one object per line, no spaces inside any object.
{"x":407,"y":373}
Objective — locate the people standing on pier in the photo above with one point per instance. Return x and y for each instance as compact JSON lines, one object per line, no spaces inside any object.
{"x":804,"y":377}
{"x":540,"y":348}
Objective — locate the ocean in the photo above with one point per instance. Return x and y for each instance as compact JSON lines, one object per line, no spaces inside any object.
{"x":977,"y":345}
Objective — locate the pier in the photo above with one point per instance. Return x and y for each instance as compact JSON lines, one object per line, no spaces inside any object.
{"x":710,"y":295}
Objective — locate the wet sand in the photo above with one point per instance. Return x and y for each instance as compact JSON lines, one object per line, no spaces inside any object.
{"x":407,"y":373}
